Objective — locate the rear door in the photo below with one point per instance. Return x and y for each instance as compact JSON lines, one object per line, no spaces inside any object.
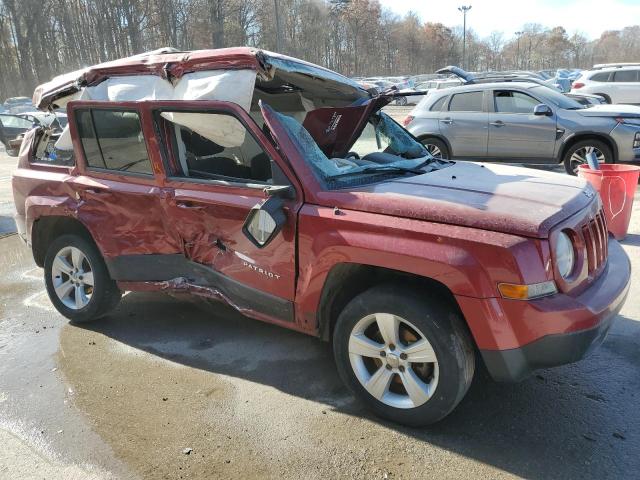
{"x":626,"y":86}
{"x":515,"y":133}
{"x":219,"y":165}
{"x":115,"y":183}
{"x":463,"y":122}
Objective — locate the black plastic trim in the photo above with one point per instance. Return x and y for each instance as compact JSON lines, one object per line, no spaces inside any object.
{"x":550,"y":351}
{"x":164,"y":267}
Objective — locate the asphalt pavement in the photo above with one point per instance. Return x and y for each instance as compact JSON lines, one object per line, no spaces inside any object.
{"x":173,"y":387}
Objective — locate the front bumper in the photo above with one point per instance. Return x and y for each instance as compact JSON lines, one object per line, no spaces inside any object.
{"x":624,"y":135}
{"x":551,"y":331}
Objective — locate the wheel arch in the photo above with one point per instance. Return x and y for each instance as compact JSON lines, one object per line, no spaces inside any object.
{"x":347,"y":280}
{"x":589,"y":136}
{"x":606,"y":97}
{"x":47,"y":228}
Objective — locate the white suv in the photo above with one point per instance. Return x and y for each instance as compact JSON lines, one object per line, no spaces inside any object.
{"x":619,"y":84}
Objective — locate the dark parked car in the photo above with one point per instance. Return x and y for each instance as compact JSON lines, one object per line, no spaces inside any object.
{"x":14,"y":126}
{"x":18,"y":104}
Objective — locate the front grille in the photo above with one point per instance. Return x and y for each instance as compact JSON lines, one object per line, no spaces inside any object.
{"x":596,"y":240}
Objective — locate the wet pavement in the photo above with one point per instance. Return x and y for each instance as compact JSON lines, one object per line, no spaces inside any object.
{"x":7,"y":210}
{"x":125,"y":396}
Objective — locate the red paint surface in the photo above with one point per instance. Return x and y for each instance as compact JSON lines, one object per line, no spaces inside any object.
{"x":469,"y":232}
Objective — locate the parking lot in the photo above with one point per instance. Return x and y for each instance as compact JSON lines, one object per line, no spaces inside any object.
{"x":173,"y":387}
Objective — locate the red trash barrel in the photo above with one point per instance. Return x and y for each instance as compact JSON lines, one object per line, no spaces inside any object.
{"x":617,"y":186}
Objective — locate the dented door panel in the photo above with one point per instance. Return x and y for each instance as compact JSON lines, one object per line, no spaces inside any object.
{"x":208,"y":220}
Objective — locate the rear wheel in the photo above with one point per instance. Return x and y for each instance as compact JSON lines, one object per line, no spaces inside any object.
{"x":576,"y":155}
{"x":77,"y":280}
{"x":436,"y":147}
{"x":606,"y":97}
{"x":405,"y":354}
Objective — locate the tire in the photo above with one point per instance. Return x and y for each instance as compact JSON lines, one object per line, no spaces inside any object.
{"x":81,"y":301}
{"x":421,"y":316}
{"x":574,"y":155}
{"x":402,"y":101}
{"x":436,"y":145}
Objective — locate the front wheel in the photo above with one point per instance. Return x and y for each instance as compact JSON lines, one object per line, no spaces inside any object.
{"x":77,"y":280}
{"x":407,"y":355}
{"x":576,"y":155}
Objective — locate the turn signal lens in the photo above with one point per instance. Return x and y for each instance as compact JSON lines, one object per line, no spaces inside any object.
{"x":527,"y":292}
{"x":407,"y":120}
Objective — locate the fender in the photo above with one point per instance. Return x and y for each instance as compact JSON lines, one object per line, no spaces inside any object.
{"x":37,"y":206}
{"x":604,"y":136}
{"x":469,"y":262}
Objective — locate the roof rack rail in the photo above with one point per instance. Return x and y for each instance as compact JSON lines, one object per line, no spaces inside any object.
{"x":600,"y":66}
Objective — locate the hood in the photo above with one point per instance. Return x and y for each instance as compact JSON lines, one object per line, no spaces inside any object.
{"x":606,"y":110}
{"x":500,"y":198}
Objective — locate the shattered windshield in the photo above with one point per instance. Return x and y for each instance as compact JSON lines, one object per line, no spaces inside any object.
{"x":384,"y":149}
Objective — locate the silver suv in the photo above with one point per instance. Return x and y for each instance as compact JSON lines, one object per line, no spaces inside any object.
{"x":520,"y":122}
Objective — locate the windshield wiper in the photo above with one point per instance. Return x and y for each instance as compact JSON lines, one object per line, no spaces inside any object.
{"x":381,"y":169}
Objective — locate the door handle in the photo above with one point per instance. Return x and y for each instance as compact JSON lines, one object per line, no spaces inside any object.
{"x":189,"y":205}
{"x":497,"y":123}
{"x":447,"y":121}
{"x":221,"y":246}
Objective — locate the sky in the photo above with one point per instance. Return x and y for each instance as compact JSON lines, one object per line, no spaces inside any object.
{"x":589,"y":17}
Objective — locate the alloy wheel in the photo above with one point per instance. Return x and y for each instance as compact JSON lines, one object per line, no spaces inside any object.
{"x":393,"y":360}
{"x":434,"y":150}
{"x":579,"y":157}
{"x":72,"y":277}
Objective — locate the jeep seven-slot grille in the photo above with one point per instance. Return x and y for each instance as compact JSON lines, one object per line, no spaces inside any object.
{"x":596,"y":242}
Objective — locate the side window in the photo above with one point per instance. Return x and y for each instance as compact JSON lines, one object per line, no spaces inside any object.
{"x":215,"y":146}
{"x":626,"y":76}
{"x":600,"y":77}
{"x":437,"y":106}
{"x":510,"y":101}
{"x":112,"y":140}
{"x":466,"y":102}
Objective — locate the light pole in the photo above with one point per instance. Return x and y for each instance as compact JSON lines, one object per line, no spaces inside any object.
{"x":518,"y":54}
{"x":464,"y":11}
{"x":276,"y":9}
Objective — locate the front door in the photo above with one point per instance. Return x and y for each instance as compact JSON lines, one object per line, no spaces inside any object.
{"x":219,"y":165}
{"x":515,"y":133}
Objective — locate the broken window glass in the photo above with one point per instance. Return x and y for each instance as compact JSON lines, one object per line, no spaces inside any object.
{"x":383,"y":148}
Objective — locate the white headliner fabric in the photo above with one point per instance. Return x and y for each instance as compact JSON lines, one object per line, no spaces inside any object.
{"x":225,"y":85}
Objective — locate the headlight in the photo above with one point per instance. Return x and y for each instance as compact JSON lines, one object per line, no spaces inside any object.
{"x":565,"y":256}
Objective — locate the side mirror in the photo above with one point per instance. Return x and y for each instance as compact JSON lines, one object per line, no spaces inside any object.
{"x":265,"y":221}
{"x":542,"y":109}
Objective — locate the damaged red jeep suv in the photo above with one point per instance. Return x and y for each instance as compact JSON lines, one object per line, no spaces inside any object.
{"x":283,"y":189}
